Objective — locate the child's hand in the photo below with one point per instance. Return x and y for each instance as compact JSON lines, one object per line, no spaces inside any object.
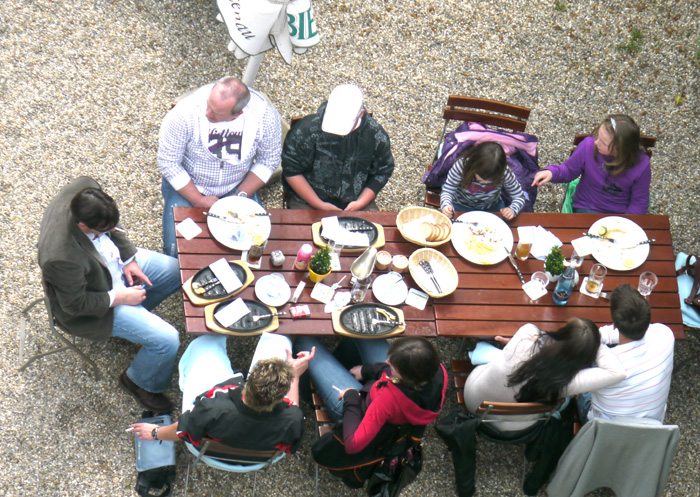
{"x":507,"y":213}
{"x":448,"y":211}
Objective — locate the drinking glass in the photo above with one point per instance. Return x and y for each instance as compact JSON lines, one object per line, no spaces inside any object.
{"x":525,"y":239}
{"x":576,"y":260}
{"x":359,"y":289}
{"x":595,"y":279}
{"x":541,"y":278}
{"x":335,"y":249}
{"x":647,"y":282}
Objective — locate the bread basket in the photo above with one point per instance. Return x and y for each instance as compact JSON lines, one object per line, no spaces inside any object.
{"x":445,"y":272}
{"x":409,"y":214}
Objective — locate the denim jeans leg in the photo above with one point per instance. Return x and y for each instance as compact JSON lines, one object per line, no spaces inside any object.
{"x":171,"y":199}
{"x":152,"y":368}
{"x":164,"y":273}
{"x":204,"y":364}
{"x":357,"y":351}
{"x":326,"y":372}
{"x":583,"y":403}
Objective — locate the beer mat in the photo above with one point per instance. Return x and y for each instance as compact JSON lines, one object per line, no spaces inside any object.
{"x":215,"y":292}
{"x":586,"y":292}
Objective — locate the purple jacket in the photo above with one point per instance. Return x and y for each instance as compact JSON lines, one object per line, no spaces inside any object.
{"x":627,"y":193}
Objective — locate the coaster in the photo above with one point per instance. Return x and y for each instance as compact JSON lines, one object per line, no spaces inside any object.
{"x":322,"y":293}
{"x":188,"y":229}
{"x":534,"y":289}
{"x":244,"y":258}
{"x":586,"y":292}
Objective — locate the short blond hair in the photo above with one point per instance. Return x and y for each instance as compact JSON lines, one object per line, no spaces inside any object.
{"x":267,"y":384}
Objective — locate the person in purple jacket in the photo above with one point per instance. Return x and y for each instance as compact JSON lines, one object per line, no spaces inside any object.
{"x":615,"y":172}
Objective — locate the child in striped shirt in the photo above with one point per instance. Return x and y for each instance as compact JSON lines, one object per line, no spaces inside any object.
{"x":476,"y":181}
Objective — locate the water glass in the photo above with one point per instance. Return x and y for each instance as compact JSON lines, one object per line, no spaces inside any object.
{"x":335,"y":249}
{"x":595,"y":279}
{"x":541,"y":278}
{"x":359,"y":289}
{"x":647,"y":282}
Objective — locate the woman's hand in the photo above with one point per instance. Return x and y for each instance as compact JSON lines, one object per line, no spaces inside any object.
{"x":357,"y":372}
{"x":342,"y":393}
{"x":542,"y":177}
{"x":448,"y":211}
{"x":501,"y":339}
{"x":507,"y":213}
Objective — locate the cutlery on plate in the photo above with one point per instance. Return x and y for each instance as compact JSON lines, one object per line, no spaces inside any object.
{"x":601,"y":237}
{"x":643,"y":242}
{"x":429,"y":271}
{"x":232,"y":216}
{"x":200,"y":288}
{"x":263,"y":316}
{"x":512,"y":261}
{"x":473,"y":223}
{"x":392,"y":323}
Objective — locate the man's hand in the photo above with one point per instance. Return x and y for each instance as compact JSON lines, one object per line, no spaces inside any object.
{"x":327,"y":206}
{"x":129,"y":296}
{"x":133,"y":274}
{"x":301,"y":363}
{"x":507,"y":213}
{"x":355,"y":205}
{"x":357,"y":372}
{"x":144,"y":430}
{"x":542,"y":177}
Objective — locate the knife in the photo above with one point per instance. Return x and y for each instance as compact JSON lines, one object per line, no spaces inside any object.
{"x":512,"y":261}
{"x":231,"y":218}
{"x":601,"y":237}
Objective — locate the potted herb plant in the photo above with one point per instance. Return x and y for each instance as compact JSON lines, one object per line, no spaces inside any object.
{"x":554,"y":264}
{"x":320,"y":265}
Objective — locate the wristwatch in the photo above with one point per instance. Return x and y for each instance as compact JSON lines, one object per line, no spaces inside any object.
{"x":242,"y":194}
{"x":154,"y":433}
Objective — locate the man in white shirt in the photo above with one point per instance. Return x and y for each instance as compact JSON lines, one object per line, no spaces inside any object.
{"x":646,"y":352}
{"x":223,"y":139}
{"x":100,"y":285}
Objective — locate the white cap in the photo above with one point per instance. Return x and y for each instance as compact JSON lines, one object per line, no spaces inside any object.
{"x":344,"y":106}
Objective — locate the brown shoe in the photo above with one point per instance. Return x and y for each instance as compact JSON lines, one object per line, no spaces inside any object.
{"x":156,"y":402}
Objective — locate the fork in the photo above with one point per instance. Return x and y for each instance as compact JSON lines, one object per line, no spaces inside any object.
{"x":429,"y":271}
{"x":262,"y":316}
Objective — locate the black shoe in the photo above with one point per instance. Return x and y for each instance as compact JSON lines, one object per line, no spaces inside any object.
{"x":156,"y":402}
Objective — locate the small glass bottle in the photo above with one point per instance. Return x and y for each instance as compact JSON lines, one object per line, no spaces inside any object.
{"x":565,"y":286}
{"x":359,"y":289}
{"x":303,"y":257}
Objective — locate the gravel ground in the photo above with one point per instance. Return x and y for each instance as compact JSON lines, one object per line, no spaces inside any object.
{"x":85,"y":84}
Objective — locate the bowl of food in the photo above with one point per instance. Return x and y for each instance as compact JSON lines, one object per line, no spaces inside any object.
{"x":423,"y":226}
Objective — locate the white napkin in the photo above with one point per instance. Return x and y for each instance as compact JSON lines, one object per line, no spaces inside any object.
{"x":544,"y":241}
{"x":232,"y":312}
{"x":442,"y":275}
{"x":226,"y":276}
{"x":188,"y":229}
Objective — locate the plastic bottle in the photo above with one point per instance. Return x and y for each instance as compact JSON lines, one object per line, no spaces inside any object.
{"x":565,"y":286}
{"x":303,"y":257}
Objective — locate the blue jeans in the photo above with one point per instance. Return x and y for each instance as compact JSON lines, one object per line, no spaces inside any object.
{"x":327,"y":370}
{"x":174,"y":199}
{"x":583,"y":403}
{"x":463,"y":208}
{"x":152,"y":368}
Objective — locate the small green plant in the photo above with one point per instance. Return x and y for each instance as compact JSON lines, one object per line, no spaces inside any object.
{"x":320,"y":262}
{"x":560,"y":6}
{"x":634,"y":44}
{"x":554,"y":263}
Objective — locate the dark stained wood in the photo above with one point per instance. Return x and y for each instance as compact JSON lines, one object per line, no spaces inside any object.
{"x":488,"y":300}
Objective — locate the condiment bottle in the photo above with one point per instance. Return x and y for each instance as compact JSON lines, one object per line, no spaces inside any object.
{"x":256,"y":249}
{"x":303,"y":257}
{"x":565,"y":286}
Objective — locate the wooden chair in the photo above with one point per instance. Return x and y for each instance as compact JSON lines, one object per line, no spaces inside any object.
{"x":231,"y":459}
{"x":490,"y":412}
{"x":68,"y":340}
{"x":489,"y":112}
{"x":648,"y":143}
{"x":324,"y":424}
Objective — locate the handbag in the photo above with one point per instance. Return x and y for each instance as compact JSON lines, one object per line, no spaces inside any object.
{"x":692,"y":269}
{"x":155,"y":461}
{"x":396,"y":473}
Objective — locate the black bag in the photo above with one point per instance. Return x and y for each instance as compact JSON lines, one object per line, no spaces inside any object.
{"x":692,"y":269}
{"x":354,"y":469}
{"x":155,"y":461}
{"x":396,"y":473}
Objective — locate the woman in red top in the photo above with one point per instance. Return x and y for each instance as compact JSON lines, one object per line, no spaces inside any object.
{"x":407,"y":387}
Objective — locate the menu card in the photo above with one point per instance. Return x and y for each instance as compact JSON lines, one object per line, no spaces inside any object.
{"x":232,"y":312}
{"x":226,"y":276}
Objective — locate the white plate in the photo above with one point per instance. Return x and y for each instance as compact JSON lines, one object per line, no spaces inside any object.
{"x":273,"y":290}
{"x":462,"y":237}
{"x":390,"y":289}
{"x":614,"y":255}
{"x":238,"y":235}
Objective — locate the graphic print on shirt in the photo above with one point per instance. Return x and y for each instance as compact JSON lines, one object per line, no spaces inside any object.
{"x":477,"y":187}
{"x":225,"y":144}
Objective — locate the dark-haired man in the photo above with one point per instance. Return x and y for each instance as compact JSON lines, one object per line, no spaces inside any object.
{"x":258,"y":414}
{"x":101,"y":285}
{"x":646,"y":352}
{"x":223,"y":139}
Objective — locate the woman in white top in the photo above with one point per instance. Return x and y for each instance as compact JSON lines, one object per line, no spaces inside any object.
{"x":541,"y":366}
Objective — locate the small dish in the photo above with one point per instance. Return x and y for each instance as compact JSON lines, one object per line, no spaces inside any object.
{"x":390,"y":288}
{"x":273,"y":290}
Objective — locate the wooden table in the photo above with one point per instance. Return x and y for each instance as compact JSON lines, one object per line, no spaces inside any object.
{"x":489,"y":300}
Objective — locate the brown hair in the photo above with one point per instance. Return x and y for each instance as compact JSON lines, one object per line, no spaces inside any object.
{"x":487,"y":159}
{"x":267,"y":384}
{"x":625,"y":144}
{"x":415,"y":359}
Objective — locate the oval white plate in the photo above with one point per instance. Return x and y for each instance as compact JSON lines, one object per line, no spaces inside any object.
{"x":273,"y":290}
{"x":238,"y":235}
{"x":614,"y":255}
{"x":390,"y":289}
{"x":461,"y":234}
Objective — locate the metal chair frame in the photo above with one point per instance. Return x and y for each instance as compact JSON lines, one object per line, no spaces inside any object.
{"x":54,"y":327}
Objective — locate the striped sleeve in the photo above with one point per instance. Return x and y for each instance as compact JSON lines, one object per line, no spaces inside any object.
{"x":453,"y":181}
{"x":511,"y":185}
